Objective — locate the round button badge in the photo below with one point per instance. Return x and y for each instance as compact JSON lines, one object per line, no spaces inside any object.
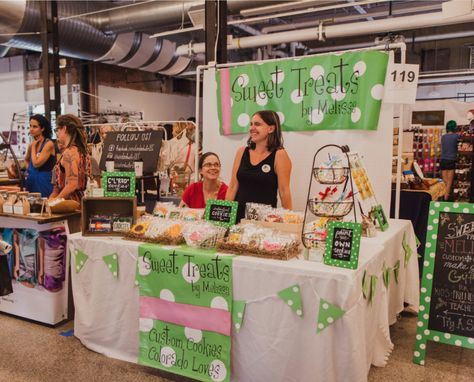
{"x":266,"y":168}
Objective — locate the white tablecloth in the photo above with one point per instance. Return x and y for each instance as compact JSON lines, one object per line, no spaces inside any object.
{"x":274,"y":344}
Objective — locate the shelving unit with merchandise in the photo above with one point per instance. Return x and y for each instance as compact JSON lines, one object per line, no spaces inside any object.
{"x":462,"y":181}
{"x":427,"y":149}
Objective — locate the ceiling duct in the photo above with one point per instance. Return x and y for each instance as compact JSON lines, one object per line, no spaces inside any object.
{"x":163,"y":60}
{"x":93,"y":30}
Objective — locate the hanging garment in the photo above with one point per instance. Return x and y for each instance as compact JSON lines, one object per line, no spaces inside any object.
{"x":5,"y":278}
{"x":96,"y":154}
{"x":7,"y":235}
{"x":180,"y":148}
{"x":28,"y":270}
{"x":52,"y":254}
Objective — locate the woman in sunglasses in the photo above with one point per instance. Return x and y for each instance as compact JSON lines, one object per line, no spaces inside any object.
{"x":210,"y":187}
{"x":74,"y":166}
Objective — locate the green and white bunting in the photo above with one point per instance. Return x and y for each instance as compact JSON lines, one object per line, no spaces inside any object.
{"x":323,"y":92}
{"x":396,"y":270}
{"x":373,"y":287}
{"x":292,"y":298}
{"x":112,"y":264}
{"x":327,"y":315}
{"x":407,"y":249}
{"x":365,"y":284}
{"x":238,"y":313}
{"x":386,"y":275}
{"x":81,"y":259}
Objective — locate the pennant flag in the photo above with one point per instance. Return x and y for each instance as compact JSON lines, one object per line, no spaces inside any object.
{"x":373,"y":285}
{"x":407,"y":249}
{"x":238,"y":312}
{"x":418,"y":242}
{"x":328,"y":314}
{"x":292,"y":298}
{"x":365,"y":285}
{"x":81,"y":259}
{"x":386,"y":275}
{"x":396,"y":270}
{"x":112,"y":263}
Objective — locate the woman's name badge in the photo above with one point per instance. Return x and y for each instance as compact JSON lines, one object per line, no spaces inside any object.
{"x":266,"y":168}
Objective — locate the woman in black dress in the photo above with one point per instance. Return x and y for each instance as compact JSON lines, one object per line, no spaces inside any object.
{"x":263,"y":168}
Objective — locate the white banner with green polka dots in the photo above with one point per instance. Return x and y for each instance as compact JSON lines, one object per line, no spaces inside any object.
{"x":446,"y":305}
{"x":323,"y":92}
{"x":185,"y":311}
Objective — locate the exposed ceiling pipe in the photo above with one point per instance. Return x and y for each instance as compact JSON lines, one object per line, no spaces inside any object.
{"x":153,"y":14}
{"x":92,"y":30}
{"x":335,"y":31}
{"x":346,"y":19}
{"x":12,"y":16}
{"x":361,"y":10}
{"x":254,"y":20}
{"x":408,"y":40}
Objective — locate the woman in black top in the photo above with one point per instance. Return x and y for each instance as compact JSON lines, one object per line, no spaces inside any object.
{"x":40,"y":157}
{"x":263,"y":168}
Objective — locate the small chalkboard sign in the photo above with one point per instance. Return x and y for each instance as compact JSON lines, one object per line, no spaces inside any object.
{"x":446,"y":301}
{"x":127,"y":147}
{"x":381,"y":217}
{"x":343,"y":244}
{"x":119,"y":184}
{"x":221,"y":212}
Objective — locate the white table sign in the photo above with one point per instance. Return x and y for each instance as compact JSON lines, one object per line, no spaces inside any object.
{"x":401,"y":82}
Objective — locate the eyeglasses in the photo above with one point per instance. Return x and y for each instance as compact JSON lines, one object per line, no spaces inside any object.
{"x":209,"y":165}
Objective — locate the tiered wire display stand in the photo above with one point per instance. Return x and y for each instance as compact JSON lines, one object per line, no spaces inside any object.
{"x":330,"y":209}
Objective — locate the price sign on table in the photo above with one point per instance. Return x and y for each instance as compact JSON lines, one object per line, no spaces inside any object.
{"x":446,"y":301}
{"x":381,"y":217}
{"x":343,"y":244}
{"x":221,"y":212}
{"x":119,"y":184}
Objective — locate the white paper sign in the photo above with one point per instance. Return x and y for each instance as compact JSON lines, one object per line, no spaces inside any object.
{"x":401,"y":82}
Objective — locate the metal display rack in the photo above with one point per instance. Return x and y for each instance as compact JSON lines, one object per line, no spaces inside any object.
{"x":329,"y":209}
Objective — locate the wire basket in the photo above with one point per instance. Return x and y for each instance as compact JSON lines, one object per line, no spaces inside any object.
{"x":312,"y":242}
{"x":329,"y":209}
{"x":333,"y":175}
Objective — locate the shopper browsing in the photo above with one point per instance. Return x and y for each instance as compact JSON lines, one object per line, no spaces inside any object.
{"x":263,"y":168}
{"x":40,"y":157}
{"x":74,"y":166}
{"x":449,"y":151}
{"x":210,"y":187}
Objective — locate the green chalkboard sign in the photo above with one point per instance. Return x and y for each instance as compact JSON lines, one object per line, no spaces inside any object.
{"x":446,"y":301}
{"x":119,"y":184}
{"x":343,"y":244}
{"x":221,"y":212}
{"x":381,"y":217}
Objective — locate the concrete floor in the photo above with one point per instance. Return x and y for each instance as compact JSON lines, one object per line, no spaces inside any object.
{"x":35,"y":353}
